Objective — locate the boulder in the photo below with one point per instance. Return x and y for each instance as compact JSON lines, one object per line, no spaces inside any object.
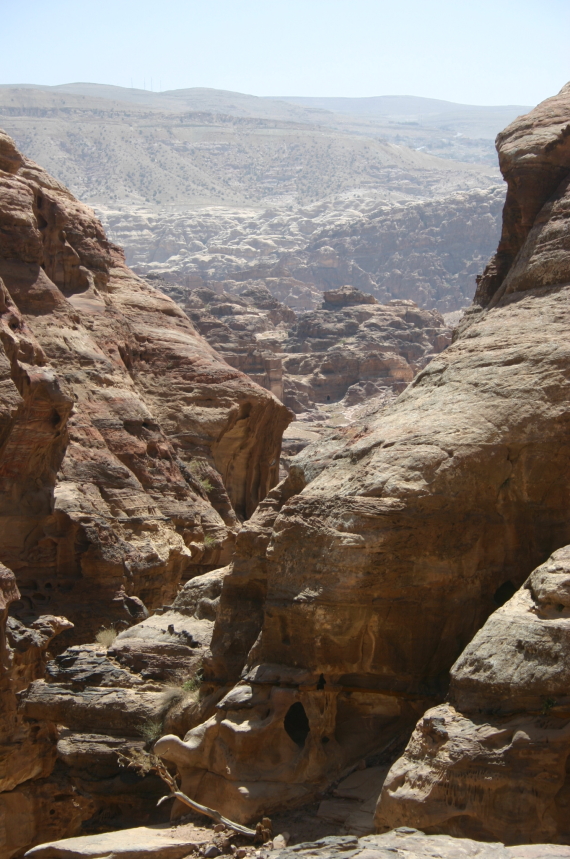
{"x":494,"y":759}
{"x":406,"y":843}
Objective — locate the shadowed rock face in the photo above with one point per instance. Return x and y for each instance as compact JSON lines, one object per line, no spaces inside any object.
{"x":128,"y":449}
{"x":31,"y":803}
{"x":367,"y":578}
{"x":494,"y":760}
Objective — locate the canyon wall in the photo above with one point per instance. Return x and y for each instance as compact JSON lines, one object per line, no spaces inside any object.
{"x":129,"y":450}
{"x":33,"y":805}
{"x":494,"y":760}
{"x":362,"y":577}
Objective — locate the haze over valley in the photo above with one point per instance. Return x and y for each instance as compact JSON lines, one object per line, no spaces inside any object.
{"x":206,"y":185}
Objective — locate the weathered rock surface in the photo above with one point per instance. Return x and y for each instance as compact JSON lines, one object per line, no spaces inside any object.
{"x":495,"y":758}
{"x":165,"y":843}
{"x":366,"y":573}
{"x":129,"y":449}
{"x":159,"y":842}
{"x":428,"y":251}
{"x":352,"y":346}
{"x":534,"y":156}
{"x":32,"y":802}
{"x":116,"y":700}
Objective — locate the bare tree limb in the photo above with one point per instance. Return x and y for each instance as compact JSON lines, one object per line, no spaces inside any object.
{"x":144,"y":763}
{"x":215,"y":815}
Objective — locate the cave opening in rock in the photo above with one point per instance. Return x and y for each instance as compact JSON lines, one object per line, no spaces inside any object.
{"x":296,"y":724}
{"x":503,"y":593}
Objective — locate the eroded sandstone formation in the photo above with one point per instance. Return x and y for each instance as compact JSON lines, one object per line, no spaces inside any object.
{"x":366,"y":573}
{"x":114,"y":700}
{"x":494,"y":760}
{"x":352,"y":347}
{"x":129,"y":449}
{"x":33,"y":804}
{"x":427,"y":251}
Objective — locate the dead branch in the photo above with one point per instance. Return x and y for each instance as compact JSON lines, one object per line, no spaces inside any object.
{"x":144,"y":763}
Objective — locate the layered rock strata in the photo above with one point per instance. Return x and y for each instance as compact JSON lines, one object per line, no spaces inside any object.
{"x":368,"y":571}
{"x":33,"y":804}
{"x":129,"y":450}
{"x":352,"y":347}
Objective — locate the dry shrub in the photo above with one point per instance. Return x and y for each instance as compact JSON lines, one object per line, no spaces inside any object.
{"x":106,"y":636}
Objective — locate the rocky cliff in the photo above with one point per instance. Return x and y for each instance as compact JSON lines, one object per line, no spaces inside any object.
{"x":496,"y":754}
{"x":362,"y":577}
{"x":351,"y":348}
{"x":33,"y":806}
{"x":493,"y":761}
{"x":129,"y":454}
{"x":129,"y":449}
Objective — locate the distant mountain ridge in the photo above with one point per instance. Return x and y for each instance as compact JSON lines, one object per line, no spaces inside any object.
{"x":378,"y":112}
{"x":203,"y":183}
{"x":397,"y":105}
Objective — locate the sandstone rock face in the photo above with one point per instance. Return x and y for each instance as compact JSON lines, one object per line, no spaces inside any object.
{"x":113,"y":701}
{"x":129,"y":449}
{"x":369,"y":570}
{"x":32,"y":803}
{"x":534,"y":154}
{"x":352,"y":346}
{"x":495,"y":758}
{"x":247,"y":329}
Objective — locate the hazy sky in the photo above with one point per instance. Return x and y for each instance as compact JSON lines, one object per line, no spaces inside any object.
{"x":471,"y":51}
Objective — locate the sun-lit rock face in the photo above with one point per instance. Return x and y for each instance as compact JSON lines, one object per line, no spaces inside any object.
{"x":129,"y":449}
{"x":363,"y":577}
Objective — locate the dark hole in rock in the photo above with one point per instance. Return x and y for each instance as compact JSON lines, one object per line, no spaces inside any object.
{"x":325,"y":740}
{"x":503,"y":593}
{"x":296,"y":723}
{"x":321,"y":683}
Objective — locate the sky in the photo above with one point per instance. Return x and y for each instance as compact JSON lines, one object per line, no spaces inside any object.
{"x":471,"y":51}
